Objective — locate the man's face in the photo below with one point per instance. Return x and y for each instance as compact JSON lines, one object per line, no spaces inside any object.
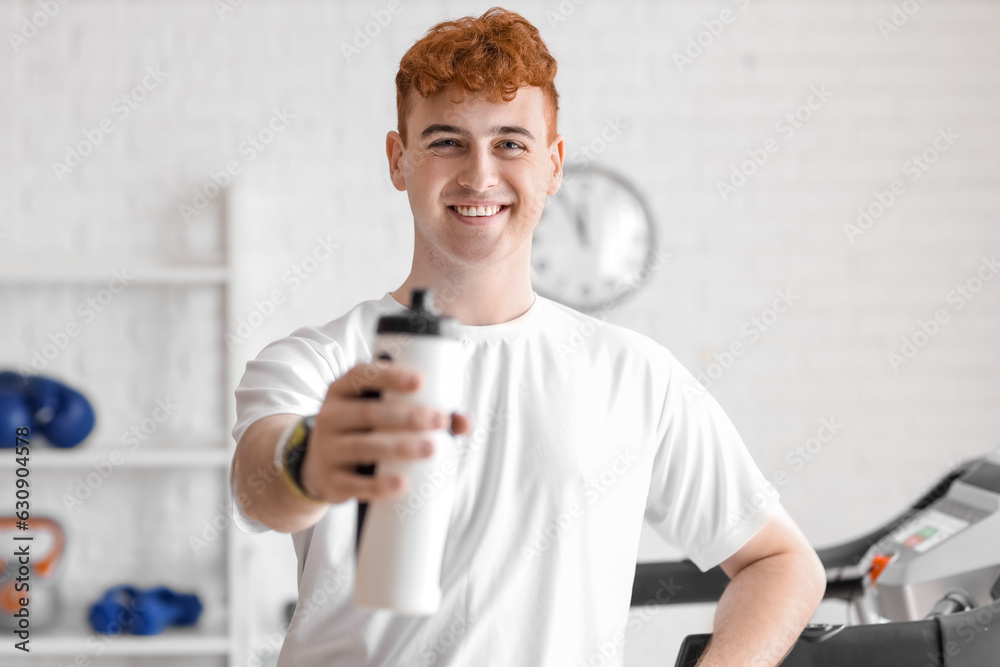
{"x":476,"y":153}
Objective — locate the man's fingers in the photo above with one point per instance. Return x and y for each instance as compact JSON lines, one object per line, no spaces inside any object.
{"x":366,"y":488}
{"x":381,"y":446}
{"x":384,"y":414}
{"x":460,"y":423}
{"x":379,"y":375}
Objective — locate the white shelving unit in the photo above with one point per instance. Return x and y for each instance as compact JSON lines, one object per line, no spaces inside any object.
{"x":141,"y":272}
{"x":71,"y":636}
{"x":182,"y":457}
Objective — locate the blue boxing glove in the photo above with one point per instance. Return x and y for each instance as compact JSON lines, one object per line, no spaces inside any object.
{"x":62,"y":414}
{"x":15,"y":413}
{"x":58,"y":412}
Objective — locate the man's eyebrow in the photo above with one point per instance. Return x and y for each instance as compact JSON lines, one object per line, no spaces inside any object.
{"x":511,"y":129}
{"x":436,"y":128}
{"x":495,"y":130}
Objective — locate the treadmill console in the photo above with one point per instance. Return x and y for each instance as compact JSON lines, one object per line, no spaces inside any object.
{"x":952,"y":544}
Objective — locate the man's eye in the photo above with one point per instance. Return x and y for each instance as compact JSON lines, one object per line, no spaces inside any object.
{"x":441,"y":142}
{"x":513,"y":144}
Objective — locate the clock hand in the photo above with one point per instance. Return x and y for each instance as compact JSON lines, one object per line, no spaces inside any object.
{"x":581,"y":227}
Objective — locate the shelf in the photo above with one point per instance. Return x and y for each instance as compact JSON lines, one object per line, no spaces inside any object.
{"x":71,"y":635}
{"x":175,"y":642}
{"x":47,"y":457}
{"x":138,"y":271}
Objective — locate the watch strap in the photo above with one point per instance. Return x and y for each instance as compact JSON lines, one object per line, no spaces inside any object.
{"x":291,"y":453}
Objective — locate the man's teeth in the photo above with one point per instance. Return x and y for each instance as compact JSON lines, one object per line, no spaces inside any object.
{"x":476,"y":211}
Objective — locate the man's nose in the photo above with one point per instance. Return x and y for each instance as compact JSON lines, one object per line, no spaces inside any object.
{"x":479,"y":170}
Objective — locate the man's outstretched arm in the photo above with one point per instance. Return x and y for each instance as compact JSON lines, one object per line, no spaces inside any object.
{"x":777,"y":583}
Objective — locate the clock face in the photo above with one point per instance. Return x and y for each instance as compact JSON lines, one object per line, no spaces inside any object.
{"x":594,"y":242}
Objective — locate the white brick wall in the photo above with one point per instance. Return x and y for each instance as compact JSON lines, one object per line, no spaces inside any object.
{"x":325,"y":175}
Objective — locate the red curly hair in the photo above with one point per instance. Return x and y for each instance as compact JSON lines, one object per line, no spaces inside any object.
{"x":498,"y":52}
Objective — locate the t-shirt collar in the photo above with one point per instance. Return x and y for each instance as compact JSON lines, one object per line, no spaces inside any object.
{"x":518,"y":325}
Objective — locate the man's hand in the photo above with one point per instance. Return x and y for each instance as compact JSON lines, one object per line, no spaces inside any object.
{"x":351,"y":430}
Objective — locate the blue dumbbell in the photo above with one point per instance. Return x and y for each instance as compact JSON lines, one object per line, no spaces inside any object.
{"x":160,"y":608}
{"x":149,"y":612}
{"x":115,"y":612}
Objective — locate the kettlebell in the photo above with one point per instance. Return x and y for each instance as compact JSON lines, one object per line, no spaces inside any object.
{"x":42,"y":592}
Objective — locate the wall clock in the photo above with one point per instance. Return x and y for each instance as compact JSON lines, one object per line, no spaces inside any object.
{"x":594,"y":244}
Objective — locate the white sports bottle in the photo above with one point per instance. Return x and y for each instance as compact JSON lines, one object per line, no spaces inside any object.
{"x":401,"y":543}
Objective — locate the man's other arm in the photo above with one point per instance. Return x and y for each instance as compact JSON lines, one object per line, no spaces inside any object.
{"x":777,"y":581}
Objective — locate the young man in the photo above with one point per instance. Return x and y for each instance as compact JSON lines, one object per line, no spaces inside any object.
{"x":570,"y":451}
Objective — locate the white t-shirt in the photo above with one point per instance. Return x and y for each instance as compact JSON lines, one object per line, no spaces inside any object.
{"x":582,"y":429}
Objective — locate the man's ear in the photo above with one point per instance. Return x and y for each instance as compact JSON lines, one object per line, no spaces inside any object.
{"x":556,"y":153}
{"x":394,"y":151}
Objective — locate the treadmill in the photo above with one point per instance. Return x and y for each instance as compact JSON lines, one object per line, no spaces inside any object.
{"x":926,"y":585}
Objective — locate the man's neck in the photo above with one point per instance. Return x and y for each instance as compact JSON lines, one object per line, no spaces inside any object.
{"x":475,"y":298}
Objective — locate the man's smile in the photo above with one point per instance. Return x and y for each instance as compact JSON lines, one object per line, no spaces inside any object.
{"x":479,"y":215}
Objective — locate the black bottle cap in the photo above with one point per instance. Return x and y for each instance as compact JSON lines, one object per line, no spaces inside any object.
{"x":420,"y":319}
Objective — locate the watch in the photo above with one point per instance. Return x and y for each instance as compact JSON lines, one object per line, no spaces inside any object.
{"x":291,"y":453}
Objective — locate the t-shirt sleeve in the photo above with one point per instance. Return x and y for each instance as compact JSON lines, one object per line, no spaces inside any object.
{"x":707,"y":497}
{"x":290,"y":375}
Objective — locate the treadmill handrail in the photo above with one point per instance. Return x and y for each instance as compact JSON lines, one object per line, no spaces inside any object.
{"x":687,"y":584}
